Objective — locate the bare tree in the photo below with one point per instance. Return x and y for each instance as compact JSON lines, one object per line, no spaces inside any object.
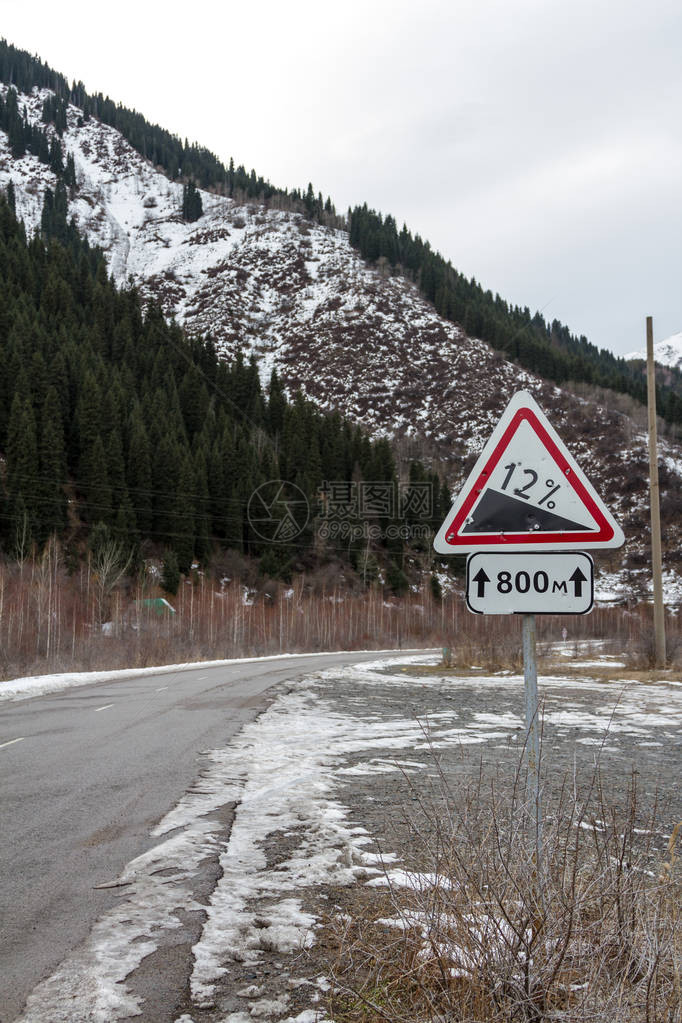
{"x":109,"y":563}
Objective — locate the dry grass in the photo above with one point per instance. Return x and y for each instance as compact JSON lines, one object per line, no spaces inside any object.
{"x":607,"y":673}
{"x":492,"y":643}
{"x":549,"y":665}
{"x":583,"y":926}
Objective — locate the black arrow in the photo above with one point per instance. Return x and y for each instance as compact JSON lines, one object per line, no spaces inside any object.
{"x":481,"y":578}
{"x":578,"y":578}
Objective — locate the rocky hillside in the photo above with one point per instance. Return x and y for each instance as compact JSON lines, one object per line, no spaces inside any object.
{"x":294,"y":293}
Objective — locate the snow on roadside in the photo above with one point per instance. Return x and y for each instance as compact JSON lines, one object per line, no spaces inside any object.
{"x":41,"y":685}
{"x":291,"y":833}
{"x":279,"y":770}
{"x":415,"y":880}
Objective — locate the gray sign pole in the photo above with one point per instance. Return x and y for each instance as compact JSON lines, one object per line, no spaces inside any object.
{"x":530,"y":677}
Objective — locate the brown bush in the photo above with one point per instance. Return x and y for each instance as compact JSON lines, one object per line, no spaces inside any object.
{"x":581,"y":924}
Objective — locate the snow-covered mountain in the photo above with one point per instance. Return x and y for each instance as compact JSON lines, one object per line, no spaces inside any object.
{"x":270,"y":282}
{"x":666,"y":353}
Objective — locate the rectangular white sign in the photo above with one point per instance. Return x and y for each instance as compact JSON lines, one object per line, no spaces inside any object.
{"x":547,"y":582}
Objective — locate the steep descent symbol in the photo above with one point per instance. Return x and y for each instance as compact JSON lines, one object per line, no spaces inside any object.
{"x":527,"y":492}
{"x":496,"y":513}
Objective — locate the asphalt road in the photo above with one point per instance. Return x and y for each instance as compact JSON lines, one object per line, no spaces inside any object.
{"x":85,"y":774}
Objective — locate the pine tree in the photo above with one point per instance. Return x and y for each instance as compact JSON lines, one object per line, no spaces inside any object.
{"x":56,"y":157}
{"x":182,"y":516}
{"x":170,"y":573}
{"x":117,"y":479}
{"x":22,"y":464}
{"x":192,"y":206}
{"x":396,"y":579}
{"x":276,"y":405}
{"x":202,"y":506}
{"x":193,"y":398}
{"x":139,"y":473}
{"x":165,"y":483}
{"x":95,"y":484}
{"x":87,"y":419}
{"x":70,"y":172}
{"x":52,"y":461}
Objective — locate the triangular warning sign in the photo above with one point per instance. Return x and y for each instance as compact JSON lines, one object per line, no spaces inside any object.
{"x":527,"y":492}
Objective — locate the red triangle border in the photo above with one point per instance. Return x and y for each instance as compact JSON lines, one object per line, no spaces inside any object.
{"x":605,"y":532}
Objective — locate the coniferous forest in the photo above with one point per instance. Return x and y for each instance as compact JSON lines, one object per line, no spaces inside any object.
{"x":114,"y":423}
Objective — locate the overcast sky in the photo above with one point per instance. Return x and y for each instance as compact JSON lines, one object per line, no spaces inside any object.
{"x":535,"y":143}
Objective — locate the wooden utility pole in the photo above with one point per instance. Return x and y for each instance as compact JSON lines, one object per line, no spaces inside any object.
{"x":656,"y":566}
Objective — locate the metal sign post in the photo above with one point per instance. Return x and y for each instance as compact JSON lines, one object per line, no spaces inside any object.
{"x":526,"y":515}
{"x":530,"y":678}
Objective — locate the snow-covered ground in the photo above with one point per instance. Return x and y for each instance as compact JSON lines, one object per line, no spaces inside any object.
{"x":285,"y":774}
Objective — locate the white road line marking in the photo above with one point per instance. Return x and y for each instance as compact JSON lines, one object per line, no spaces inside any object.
{"x":11,"y":742}
{"x":106,"y":707}
{"x":161,"y":688}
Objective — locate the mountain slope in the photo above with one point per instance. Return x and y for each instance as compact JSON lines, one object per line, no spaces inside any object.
{"x":270,"y":282}
{"x":549,"y":349}
{"x":266,"y":280}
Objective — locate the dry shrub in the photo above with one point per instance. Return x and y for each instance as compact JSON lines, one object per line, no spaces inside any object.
{"x":584,"y":925}
{"x":639,"y":650}
{"x":493,"y":642}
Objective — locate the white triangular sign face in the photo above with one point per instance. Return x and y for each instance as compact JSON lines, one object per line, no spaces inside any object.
{"x":527,"y":492}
